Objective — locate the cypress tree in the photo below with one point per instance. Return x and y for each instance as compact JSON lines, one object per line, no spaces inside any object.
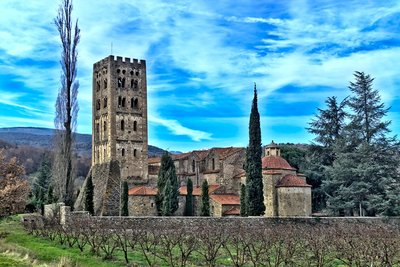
{"x":89,"y":196}
{"x":254,"y":185}
{"x":205,"y":199}
{"x":167,"y":205}
{"x":167,"y":173}
{"x":243,"y":212}
{"x":189,"y":199}
{"x":125,"y":192}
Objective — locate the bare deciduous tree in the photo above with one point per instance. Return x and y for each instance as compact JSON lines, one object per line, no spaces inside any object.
{"x":66,"y":104}
{"x":14,"y":189}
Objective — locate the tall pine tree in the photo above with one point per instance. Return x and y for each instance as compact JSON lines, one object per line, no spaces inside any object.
{"x":205,"y":200}
{"x":254,"y":185}
{"x":89,"y":206}
{"x":125,"y":198}
{"x":189,"y":199}
{"x":329,"y":123}
{"x":366,"y":164}
{"x":328,"y":127}
{"x":367,"y":122}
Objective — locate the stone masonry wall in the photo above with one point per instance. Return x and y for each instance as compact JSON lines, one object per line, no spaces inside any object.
{"x":194,"y":223}
{"x":294,"y":201}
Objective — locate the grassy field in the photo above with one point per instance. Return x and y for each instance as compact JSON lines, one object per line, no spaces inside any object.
{"x":17,"y":248}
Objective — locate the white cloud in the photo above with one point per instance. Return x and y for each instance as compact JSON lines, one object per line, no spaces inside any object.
{"x":178,"y":129}
{"x":313,"y":45}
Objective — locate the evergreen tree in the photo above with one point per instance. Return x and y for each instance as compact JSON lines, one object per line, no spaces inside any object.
{"x":294,"y":155}
{"x":366,"y":121}
{"x":205,"y":199}
{"x":329,"y":123}
{"x":254,"y":185}
{"x":167,"y":173}
{"x":189,"y":199}
{"x":366,"y":162}
{"x":167,"y":204}
{"x":328,"y":126}
{"x":243,"y":201}
{"x":89,"y":206}
{"x":50,"y":195}
{"x":125,"y":197}
{"x":41,"y":184}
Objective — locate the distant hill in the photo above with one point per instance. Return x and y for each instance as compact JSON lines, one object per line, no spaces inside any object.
{"x":42,"y":138}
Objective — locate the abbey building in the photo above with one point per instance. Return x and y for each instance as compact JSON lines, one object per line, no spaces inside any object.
{"x":120,"y":146}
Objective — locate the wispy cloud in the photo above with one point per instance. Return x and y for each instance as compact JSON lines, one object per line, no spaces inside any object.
{"x":176,"y":128}
{"x":202,"y":57}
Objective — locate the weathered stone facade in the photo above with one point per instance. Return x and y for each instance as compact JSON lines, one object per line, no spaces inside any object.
{"x":294,"y":201}
{"x":120,"y":116}
{"x":216,"y":165}
{"x":142,"y":206}
{"x":286,"y":192}
{"x":119,"y":131}
{"x":106,"y":180}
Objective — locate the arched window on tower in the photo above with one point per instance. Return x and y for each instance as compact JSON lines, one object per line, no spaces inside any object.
{"x":123,"y":83}
{"x":134,"y":84}
{"x":135,"y":152}
{"x":193,"y":166}
{"x":122,"y":125}
{"x":98,"y":104}
{"x":105,"y":102}
{"x":123,"y":152}
{"x":123,"y":102}
{"x":213,"y":164}
{"x":135,"y":103}
{"x":105,"y":126}
{"x":98,"y":86}
{"x":105,"y":83}
{"x":97,"y":128}
{"x":119,"y":82}
{"x":119,"y":101}
{"x":132,"y":102}
{"x":135,"y":126}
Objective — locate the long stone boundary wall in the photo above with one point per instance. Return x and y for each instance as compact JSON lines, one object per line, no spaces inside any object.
{"x":69,"y":218}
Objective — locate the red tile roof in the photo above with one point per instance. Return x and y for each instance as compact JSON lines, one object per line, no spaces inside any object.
{"x":202,"y":154}
{"x":232,"y":211}
{"x":197,"y":190}
{"x":276,"y":162}
{"x":271,"y":172}
{"x":181,"y":156}
{"x":291,"y":180}
{"x":142,"y":191}
{"x":154,"y":160}
{"x":226,"y":199}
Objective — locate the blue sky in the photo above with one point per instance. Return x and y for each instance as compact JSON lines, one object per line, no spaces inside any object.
{"x":202,"y":59}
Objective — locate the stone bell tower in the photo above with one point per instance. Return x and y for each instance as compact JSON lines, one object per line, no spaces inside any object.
{"x":119,"y":127}
{"x":120,"y":116}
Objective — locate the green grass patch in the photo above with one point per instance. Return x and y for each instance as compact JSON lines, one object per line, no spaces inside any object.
{"x":49,"y":253}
